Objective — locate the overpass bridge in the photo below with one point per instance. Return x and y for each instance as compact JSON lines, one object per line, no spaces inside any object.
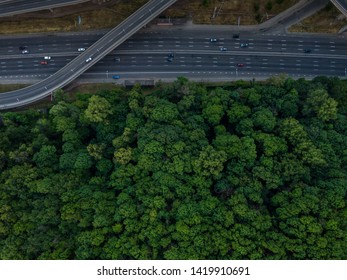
{"x":341,"y":5}
{"x":85,"y":60}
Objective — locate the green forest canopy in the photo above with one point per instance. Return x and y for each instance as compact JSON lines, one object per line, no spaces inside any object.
{"x":247,"y":171}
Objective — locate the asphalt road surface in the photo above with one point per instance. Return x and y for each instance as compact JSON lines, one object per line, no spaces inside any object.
{"x":86,"y":59}
{"x":145,"y":55}
{"x":15,"y":7}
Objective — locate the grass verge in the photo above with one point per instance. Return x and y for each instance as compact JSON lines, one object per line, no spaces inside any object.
{"x":99,"y":17}
{"x":9,"y":87}
{"x":328,"y":20}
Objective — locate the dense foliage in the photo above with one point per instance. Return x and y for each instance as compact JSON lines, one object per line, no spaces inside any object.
{"x":247,"y":171}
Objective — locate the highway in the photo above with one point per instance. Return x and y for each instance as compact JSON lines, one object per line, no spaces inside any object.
{"x":145,"y":55}
{"x":15,"y":7}
{"x":86,"y":59}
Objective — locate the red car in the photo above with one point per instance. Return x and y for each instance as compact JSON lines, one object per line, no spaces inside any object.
{"x":44,"y":62}
{"x":240,"y":65}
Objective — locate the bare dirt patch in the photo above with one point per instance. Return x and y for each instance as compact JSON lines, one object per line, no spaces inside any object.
{"x":90,"y":15}
{"x":328,"y":20}
{"x":10,"y":87}
{"x":229,"y":11}
{"x":109,"y":13}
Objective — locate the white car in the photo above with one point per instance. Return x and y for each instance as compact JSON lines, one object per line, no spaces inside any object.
{"x":25,"y":51}
{"x":47,"y":58}
{"x":81,"y":49}
{"x":223,"y":49}
{"x":88,"y":59}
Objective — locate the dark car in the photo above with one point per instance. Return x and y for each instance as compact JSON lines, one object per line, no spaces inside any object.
{"x":213,"y":40}
{"x":171,"y":55}
{"x":236,"y":35}
{"x":169,"y":59}
{"x":22,"y":48}
{"x":307,"y":50}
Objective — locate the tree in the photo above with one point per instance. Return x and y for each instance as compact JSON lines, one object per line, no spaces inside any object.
{"x":319,"y":102}
{"x":98,"y":109}
{"x":210,"y":162}
{"x":122,"y":155}
{"x":46,"y":157}
{"x":264,"y":119}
